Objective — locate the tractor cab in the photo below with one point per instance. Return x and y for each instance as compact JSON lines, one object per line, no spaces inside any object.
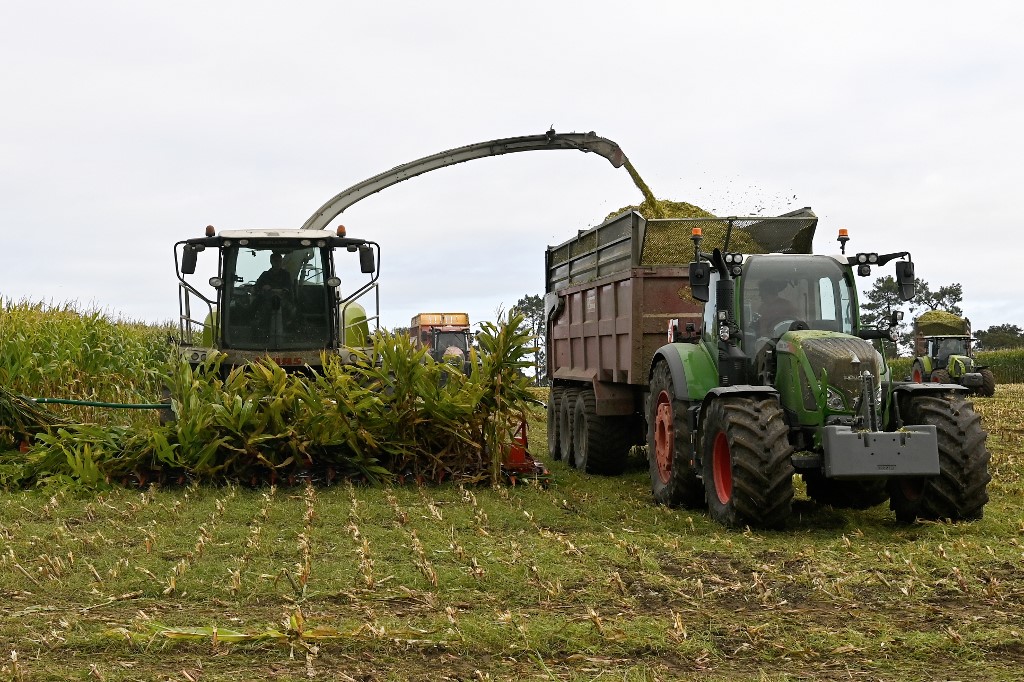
{"x":942,"y":348}
{"x":276,"y":293}
{"x":781,"y":292}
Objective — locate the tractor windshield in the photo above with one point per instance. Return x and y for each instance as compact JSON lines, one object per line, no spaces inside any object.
{"x":446,"y":340}
{"x":275,"y":297}
{"x":945,"y":346}
{"x":778,"y":290}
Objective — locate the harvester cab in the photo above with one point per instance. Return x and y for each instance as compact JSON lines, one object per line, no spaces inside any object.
{"x":277,"y":294}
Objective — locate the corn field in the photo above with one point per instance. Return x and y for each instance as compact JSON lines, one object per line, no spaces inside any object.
{"x":403,"y":416}
{"x":583,"y":579}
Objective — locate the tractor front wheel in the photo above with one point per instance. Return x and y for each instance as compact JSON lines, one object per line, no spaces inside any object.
{"x":674,"y":480}
{"x":748,"y":475}
{"x":988,"y":383}
{"x":960,"y":491}
{"x":941,"y":376}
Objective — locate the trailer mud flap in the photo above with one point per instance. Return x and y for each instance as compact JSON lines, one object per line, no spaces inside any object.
{"x":911,"y":451}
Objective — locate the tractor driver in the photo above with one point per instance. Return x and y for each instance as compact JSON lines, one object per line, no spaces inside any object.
{"x":773,"y":308}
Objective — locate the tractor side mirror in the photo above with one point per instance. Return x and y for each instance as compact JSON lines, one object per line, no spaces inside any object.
{"x":905,"y":279}
{"x":366,"y":260}
{"x":189,"y":256}
{"x":700,"y":281}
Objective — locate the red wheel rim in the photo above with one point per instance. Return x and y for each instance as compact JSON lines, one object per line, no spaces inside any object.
{"x":664,"y":436}
{"x":721,"y":464}
{"x":917,"y":376}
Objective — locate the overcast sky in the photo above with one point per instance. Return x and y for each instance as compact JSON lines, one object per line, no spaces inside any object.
{"x":127,"y":126}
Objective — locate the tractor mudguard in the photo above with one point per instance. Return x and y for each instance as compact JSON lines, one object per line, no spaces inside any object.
{"x":738,"y":390}
{"x":911,"y":387}
{"x":693,"y":371}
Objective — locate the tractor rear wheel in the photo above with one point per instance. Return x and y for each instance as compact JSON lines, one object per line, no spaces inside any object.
{"x":748,"y":475}
{"x":846,"y":494}
{"x":554,"y":396}
{"x":600,"y":444}
{"x":988,"y":383}
{"x":566,"y":411}
{"x":674,"y":480}
{"x":941,"y":376}
{"x":959,"y":492}
{"x":917,"y":374}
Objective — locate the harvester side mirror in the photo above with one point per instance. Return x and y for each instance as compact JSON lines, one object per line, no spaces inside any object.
{"x":189,"y":257}
{"x":700,"y":281}
{"x":366,"y":260}
{"x":905,"y":279}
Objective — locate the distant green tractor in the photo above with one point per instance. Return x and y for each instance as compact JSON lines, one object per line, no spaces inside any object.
{"x":944,"y":354}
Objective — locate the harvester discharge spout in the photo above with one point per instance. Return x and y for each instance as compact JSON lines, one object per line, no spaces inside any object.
{"x":584,"y":142}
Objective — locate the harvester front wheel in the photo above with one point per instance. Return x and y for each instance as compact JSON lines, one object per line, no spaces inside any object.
{"x":748,"y":475}
{"x":674,"y":480}
{"x":988,"y":383}
{"x":600,"y":444}
{"x":554,"y":398}
{"x":960,"y":491}
{"x":566,"y":411}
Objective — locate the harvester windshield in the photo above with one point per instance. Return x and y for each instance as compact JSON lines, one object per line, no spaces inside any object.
{"x":781,"y":289}
{"x":274,"y":297}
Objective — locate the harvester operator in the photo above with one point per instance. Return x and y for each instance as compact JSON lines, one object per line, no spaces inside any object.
{"x":276,"y":277}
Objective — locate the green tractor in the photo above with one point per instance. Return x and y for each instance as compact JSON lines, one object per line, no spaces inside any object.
{"x":783,"y":379}
{"x":944,"y":353}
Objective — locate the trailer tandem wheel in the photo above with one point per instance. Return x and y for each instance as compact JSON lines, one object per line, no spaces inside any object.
{"x":554,"y":399}
{"x":566,"y":413}
{"x":600,"y":444}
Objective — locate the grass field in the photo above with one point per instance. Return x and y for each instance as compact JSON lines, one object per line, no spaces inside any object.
{"x":583,"y":580}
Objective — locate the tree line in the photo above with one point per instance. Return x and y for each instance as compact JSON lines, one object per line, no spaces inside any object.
{"x":883,"y":299}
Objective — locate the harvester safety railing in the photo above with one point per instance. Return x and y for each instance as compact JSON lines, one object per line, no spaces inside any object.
{"x":187,"y":325}
{"x":349,"y":300}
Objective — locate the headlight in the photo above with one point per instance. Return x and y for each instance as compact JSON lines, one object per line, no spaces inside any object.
{"x":723,"y":333}
{"x":834,"y":400}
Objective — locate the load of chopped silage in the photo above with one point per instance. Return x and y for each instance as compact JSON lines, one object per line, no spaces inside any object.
{"x":941,"y":323}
